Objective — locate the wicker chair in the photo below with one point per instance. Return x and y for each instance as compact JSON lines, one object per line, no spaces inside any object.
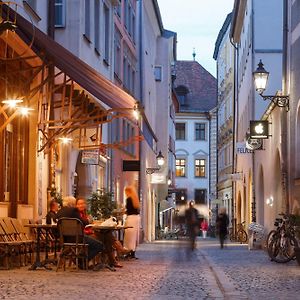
{"x":73,"y":246}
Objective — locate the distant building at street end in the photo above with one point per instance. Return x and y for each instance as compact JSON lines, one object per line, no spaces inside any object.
{"x":195,"y":142}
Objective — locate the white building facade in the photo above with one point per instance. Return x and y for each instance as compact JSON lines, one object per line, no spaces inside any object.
{"x":224,"y":56}
{"x":257,"y":30}
{"x":195,"y":122}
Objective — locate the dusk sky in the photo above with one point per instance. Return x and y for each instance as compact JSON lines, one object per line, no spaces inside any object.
{"x":197,"y":23}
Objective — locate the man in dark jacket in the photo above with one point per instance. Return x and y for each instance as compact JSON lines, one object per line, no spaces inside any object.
{"x":192,"y":223}
{"x":52,"y":213}
{"x":222,"y":222}
{"x":69,"y":210}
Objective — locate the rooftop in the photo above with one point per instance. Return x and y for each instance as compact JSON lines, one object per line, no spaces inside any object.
{"x":198,"y":85}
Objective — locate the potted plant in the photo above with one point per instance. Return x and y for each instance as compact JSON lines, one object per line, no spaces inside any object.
{"x":101,"y":204}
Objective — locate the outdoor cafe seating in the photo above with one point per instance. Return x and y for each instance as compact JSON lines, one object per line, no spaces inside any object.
{"x":26,"y":243}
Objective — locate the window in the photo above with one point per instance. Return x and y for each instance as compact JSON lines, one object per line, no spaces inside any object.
{"x":133,"y":28}
{"x":126,"y":13}
{"x":180,"y":167}
{"x":60,"y":13}
{"x":200,"y":196}
{"x":181,"y":197}
{"x":97,"y":26}
{"x":200,"y":131}
{"x":87,"y":19}
{"x":106,"y":32}
{"x":117,"y":53}
{"x":199,"y":167}
{"x":180,"y":131}
{"x":158,"y":73}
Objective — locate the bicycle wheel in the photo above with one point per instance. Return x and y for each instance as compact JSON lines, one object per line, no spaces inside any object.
{"x":271,"y":249}
{"x":242,"y":236}
{"x":284,"y":249}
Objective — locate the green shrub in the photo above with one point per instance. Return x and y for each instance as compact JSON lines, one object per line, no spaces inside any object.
{"x":101,"y":204}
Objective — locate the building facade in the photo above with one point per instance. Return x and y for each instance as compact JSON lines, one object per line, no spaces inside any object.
{"x":196,"y":91}
{"x":91,"y":111}
{"x":257,"y":31}
{"x":224,"y":56}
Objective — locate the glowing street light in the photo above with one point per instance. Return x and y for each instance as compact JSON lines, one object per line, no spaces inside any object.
{"x":12,"y":102}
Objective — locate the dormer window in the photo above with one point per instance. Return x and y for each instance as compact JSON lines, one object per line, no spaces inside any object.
{"x":181,"y":92}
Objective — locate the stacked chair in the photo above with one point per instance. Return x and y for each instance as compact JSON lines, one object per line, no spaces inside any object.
{"x":15,"y":245}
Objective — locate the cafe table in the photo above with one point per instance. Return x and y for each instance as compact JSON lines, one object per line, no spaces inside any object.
{"x":38,"y":263}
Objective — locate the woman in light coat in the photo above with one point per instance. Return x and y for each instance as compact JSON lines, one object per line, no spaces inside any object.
{"x":131,"y":237}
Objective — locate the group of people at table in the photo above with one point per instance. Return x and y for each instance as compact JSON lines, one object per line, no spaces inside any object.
{"x":77,"y":208}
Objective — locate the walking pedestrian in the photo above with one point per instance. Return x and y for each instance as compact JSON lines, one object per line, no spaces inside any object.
{"x":204,"y":227}
{"x":131,"y":237}
{"x":192,"y":223}
{"x":222,"y":224}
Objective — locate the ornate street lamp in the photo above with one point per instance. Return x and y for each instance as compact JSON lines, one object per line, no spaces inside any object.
{"x":260,"y":77}
{"x":160,"y":162}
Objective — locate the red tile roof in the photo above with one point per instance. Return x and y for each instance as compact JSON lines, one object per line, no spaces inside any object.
{"x":202,"y":86}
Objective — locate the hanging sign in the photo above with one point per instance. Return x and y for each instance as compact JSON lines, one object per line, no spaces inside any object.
{"x":90,"y":157}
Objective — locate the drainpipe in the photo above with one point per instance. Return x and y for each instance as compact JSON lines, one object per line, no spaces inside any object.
{"x":51,"y":18}
{"x":50,"y":32}
{"x":253,"y":206}
{"x":234,"y":133}
{"x":284,"y":117}
{"x":141,"y":91}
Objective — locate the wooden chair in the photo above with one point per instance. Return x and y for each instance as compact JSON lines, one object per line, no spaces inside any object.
{"x":28,"y":243}
{"x":73,"y":246}
{"x":9,"y":247}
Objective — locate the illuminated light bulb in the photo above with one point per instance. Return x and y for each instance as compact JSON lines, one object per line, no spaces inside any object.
{"x":12,"y":102}
{"x":136,"y":114}
{"x":65,"y":140}
{"x":25,"y":110}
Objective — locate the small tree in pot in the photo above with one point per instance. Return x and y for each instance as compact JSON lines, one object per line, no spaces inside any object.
{"x":101,"y":204}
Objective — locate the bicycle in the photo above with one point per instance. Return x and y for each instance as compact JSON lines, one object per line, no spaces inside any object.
{"x":239,"y":235}
{"x":281,"y":242}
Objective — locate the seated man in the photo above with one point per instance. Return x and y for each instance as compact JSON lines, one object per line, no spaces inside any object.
{"x":51,"y":215}
{"x":69,"y":210}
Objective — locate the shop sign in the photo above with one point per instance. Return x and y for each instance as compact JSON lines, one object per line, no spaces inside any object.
{"x":90,"y":157}
{"x":242,"y":149}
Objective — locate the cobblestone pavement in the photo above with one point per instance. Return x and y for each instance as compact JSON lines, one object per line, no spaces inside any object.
{"x":165,"y":270}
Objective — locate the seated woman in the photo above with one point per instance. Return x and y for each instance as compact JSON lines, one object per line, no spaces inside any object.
{"x":108,"y":239}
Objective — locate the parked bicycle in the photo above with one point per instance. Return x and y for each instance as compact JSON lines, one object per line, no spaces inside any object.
{"x":281,"y":242}
{"x":239,"y":235}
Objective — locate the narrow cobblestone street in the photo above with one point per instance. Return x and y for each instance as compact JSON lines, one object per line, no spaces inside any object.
{"x":165,"y":270}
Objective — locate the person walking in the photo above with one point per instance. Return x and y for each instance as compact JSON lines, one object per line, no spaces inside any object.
{"x":192,"y":223}
{"x":131,"y":236}
{"x":204,"y":227}
{"x":222,"y":222}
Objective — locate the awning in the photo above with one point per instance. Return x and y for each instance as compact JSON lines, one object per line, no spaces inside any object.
{"x":76,"y":69}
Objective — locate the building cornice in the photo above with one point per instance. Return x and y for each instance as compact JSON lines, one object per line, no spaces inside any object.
{"x":237,"y":22}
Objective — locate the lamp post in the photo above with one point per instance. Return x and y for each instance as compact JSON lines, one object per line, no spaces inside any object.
{"x":160,"y":162}
{"x":260,"y":77}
